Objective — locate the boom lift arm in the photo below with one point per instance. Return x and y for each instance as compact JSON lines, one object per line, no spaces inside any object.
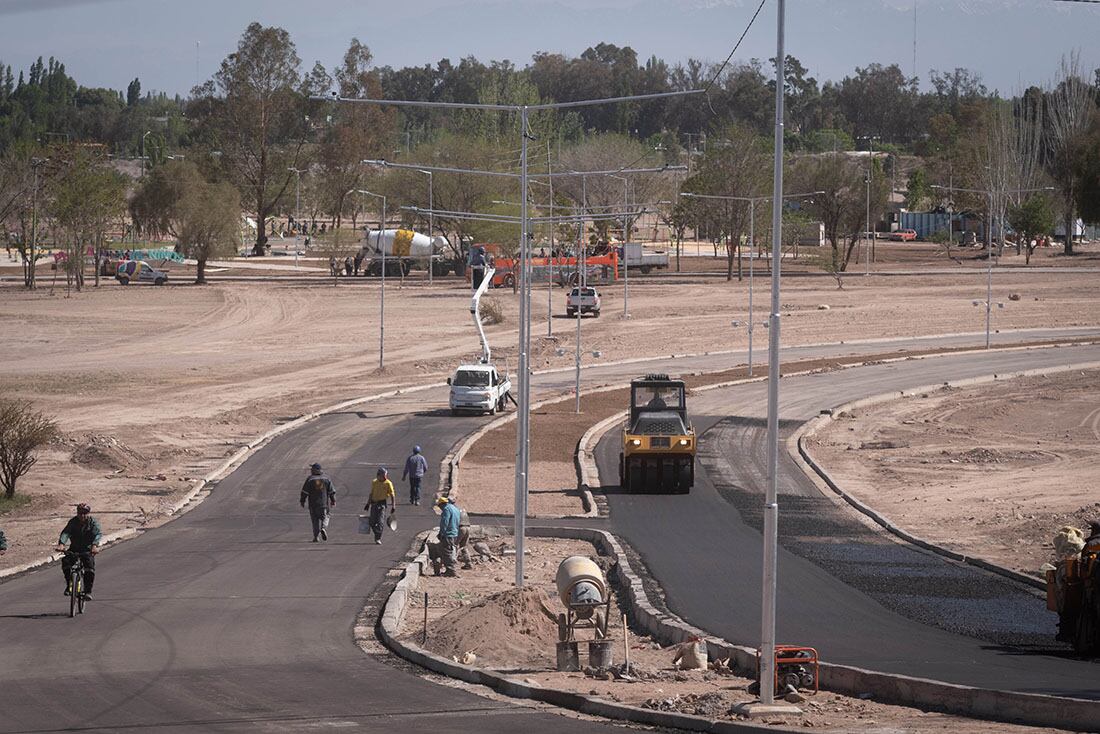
{"x":475,"y":309}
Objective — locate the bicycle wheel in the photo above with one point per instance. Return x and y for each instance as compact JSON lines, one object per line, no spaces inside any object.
{"x":80,"y":597}
{"x":74,"y":585}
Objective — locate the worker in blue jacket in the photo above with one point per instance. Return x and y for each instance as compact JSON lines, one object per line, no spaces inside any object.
{"x":449,"y":518}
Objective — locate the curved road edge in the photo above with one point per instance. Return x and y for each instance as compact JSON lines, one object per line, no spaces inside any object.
{"x":802,"y":456}
{"x":978,"y":703}
{"x":195,"y":495}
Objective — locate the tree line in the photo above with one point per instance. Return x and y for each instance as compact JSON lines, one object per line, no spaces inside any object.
{"x":261,"y":126}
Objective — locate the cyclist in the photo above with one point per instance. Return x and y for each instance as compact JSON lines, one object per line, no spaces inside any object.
{"x":83,"y":535}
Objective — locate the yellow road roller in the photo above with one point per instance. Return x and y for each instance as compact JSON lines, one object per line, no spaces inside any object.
{"x":658,"y":450}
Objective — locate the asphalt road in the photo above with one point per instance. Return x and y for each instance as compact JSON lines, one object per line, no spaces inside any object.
{"x":859,"y":597}
{"x":228,"y":619}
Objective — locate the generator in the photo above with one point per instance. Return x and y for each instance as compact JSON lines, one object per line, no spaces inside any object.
{"x":658,"y":440}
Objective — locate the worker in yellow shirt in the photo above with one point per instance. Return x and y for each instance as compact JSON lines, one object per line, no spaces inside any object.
{"x":381,"y":491}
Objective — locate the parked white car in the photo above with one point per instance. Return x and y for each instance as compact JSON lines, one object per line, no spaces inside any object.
{"x":139,"y":271}
{"x":478,"y":388}
{"x":585,"y":300}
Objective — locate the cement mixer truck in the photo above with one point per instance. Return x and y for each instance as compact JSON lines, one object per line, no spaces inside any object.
{"x":405,"y":250}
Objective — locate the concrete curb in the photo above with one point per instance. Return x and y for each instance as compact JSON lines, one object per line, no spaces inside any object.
{"x":982,"y":703}
{"x":810,"y":428}
{"x":393,"y":614}
{"x":191,"y":499}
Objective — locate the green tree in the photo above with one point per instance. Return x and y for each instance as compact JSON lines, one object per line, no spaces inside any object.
{"x":1031,"y":219}
{"x":842,"y":208}
{"x":210,"y":224}
{"x":86,"y":201}
{"x":255,"y":112}
{"x":205,"y":218}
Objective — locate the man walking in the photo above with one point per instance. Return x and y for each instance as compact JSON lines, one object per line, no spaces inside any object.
{"x":321,"y":495}
{"x":449,"y":517}
{"x":416,"y":466}
{"x":381,"y":492}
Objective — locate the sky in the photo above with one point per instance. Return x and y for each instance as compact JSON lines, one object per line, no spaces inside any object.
{"x":170,"y":45}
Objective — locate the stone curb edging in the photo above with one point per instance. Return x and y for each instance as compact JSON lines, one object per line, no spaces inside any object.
{"x":221,"y":471}
{"x":392,"y":616}
{"x":811,"y":427}
{"x":996,"y":705}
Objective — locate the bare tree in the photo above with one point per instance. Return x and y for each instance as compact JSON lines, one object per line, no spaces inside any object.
{"x":1070,"y":103}
{"x":22,"y":432}
{"x":843,"y":205}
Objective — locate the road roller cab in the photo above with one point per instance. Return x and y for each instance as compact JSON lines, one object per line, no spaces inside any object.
{"x":658,"y":440}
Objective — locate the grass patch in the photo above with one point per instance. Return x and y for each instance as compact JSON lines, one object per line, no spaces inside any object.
{"x":10,"y":504}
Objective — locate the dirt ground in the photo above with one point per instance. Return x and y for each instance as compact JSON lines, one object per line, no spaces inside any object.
{"x":154,"y":386}
{"x":480,"y":612}
{"x":991,"y":470}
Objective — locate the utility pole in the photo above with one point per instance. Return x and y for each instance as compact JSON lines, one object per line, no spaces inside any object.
{"x":626,"y":236}
{"x":771,"y":501}
{"x":989,"y":248}
{"x":147,"y":132}
{"x":297,"y":209}
{"x":870,"y":173}
{"x":431,"y":224}
{"x":752,"y":240}
{"x":36,"y":163}
{"x":550,"y":272}
{"x":382,"y":298}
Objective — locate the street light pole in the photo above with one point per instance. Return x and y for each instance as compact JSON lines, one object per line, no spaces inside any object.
{"x":870,"y":173}
{"x":771,"y":502}
{"x":989,"y":249}
{"x":297,"y":209}
{"x":626,"y":258}
{"x":752,"y":240}
{"x":522,"y":437}
{"x":382,"y":297}
{"x":431,"y":224}
{"x":147,"y":132}
{"x":550,"y":271}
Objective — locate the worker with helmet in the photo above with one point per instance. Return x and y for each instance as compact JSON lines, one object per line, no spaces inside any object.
{"x":381,"y":493}
{"x":449,"y":519}
{"x":416,"y":466}
{"x":82,"y":535}
{"x":321,"y":495}
{"x":1092,"y":543}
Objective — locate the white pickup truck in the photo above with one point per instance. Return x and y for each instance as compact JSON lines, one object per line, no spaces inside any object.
{"x":585,"y":300}
{"x":637,"y":258}
{"x":478,"y":388}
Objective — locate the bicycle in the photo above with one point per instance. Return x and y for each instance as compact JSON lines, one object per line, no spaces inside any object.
{"x":76,"y":586}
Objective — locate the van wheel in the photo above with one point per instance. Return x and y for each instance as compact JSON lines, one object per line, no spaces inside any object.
{"x":159,"y":281}
{"x":124,"y":281}
{"x":646,"y":269}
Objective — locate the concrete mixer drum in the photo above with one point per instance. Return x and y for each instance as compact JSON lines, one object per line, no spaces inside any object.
{"x":584,"y":594}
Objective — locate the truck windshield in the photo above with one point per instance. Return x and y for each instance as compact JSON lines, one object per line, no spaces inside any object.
{"x":469,"y":378}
